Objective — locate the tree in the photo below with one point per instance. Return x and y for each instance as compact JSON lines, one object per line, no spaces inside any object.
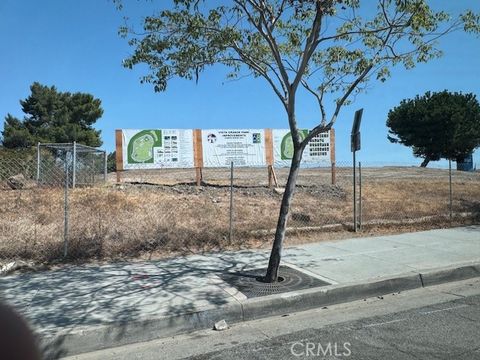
{"x":53,"y":116}
{"x":15,"y":134}
{"x":320,"y":46}
{"x":437,"y":125}
{"x":112,"y":161}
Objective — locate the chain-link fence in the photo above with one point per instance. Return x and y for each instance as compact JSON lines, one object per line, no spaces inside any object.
{"x":35,"y":187}
{"x":163,"y":212}
{"x":78,"y":164}
{"x":399,"y":194}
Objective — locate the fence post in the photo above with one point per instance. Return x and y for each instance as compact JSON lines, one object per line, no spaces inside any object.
{"x":360,"y":195}
{"x":270,"y":182}
{"x":38,"y":163}
{"x":450,"y":188}
{"x":334,"y":173}
{"x":332,"y":156}
{"x":231,"y":204}
{"x":74,"y":164}
{"x":92,"y":171}
{"x":105,"y":166}
{"x":65,"y":200}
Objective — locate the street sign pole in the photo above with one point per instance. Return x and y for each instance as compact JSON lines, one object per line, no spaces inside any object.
{"x":355,"y":146}
{"x":354,"y":193}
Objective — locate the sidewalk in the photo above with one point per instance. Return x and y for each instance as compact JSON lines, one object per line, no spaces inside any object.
{"x":84,"y":308}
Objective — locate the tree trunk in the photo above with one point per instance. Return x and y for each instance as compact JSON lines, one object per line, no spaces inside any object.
{"x":425,"y":162}
{"x":276,"y":254}
{"x":459,"y":160}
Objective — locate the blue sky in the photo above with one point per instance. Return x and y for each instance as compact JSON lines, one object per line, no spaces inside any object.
{"x":74,"y":45}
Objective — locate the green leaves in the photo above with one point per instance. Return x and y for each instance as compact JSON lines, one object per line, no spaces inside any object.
{"x":181,"y":42}
{"x":331,"y":46}
{"x":437,"y":125}
{"x":471,"y":22}
{"x":53,"y":116}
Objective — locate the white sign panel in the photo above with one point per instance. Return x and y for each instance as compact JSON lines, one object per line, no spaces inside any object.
{"x":157,"y":149}
{"x":316,"y":152}
{"x":244,"y":147}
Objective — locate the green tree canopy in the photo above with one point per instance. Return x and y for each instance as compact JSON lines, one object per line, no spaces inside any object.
{"x":53,"y":116}
{"x":319,"y":46}
{"x":437,"y":125}
{"x":112,"y":161}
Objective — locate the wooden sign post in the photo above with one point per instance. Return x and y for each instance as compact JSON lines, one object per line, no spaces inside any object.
{"x":198,"y":156}
{"x":272,"y":179}
{"x":118,"y":154}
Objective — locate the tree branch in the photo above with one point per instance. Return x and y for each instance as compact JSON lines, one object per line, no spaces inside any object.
{"x":267,"y":35}
{"x":318,"y":97}
{"x":251,"y":62}
{"x":310,"y":46}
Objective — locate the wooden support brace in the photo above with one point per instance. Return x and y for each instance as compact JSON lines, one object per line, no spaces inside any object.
{"x":274,"y":176}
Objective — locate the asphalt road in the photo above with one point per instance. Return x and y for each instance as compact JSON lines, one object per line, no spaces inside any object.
{"x":441,"y":322}
{"x":446,"y":331}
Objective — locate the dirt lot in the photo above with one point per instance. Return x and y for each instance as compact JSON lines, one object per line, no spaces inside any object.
{"x":160,"y":213}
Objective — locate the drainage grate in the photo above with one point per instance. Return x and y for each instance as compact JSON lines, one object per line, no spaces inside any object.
{"x":251,"y":285}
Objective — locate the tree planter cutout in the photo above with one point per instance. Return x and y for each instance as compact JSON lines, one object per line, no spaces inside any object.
{"x":251,"y":283}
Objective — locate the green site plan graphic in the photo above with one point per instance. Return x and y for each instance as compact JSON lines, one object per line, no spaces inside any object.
{"x":140,"y":147}
{"x":286,"y":148}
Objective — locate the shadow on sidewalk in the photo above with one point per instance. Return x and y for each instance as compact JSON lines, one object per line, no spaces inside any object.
{"x":63,"y":302}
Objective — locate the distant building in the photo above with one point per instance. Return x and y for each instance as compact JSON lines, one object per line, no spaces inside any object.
{"x":466,"y":164}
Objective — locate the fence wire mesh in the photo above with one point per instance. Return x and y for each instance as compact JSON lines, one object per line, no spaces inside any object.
{"x":161,"y":212}
{"x":80,"y":165}
{"x":35,"y":201}
{"x":403,"y":194}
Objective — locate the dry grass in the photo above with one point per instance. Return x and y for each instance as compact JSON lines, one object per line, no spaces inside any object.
{"x":138,"y":220}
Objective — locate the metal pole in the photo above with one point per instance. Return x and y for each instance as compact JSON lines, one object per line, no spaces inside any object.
{"x":354,"y":194}
{"x":93,"y":168}
{"x":74,"y":165}
{"x":38,"y":162}
{"x":450,"y":186}
{"x":334,"y":173}
{"x":105,"y":166}
{"x":231,"y":203}
{"x":270,"y":182}
{"x":65,"y":229}
{"x":360,"y":196}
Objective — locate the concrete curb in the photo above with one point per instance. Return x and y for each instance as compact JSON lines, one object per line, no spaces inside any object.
{"x":87,"y":339}
{"x":440,"y":276}
{"x":91,"y":338}
{"x":317,"y":297}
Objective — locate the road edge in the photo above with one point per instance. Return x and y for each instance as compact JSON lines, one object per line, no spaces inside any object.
{"x":76,"y":341}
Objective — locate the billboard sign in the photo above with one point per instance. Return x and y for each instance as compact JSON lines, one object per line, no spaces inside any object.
{"x":317,"y":150}
{"x":157,"y":148}
{"x":243,"y":147}
{"x":180,"y":148}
